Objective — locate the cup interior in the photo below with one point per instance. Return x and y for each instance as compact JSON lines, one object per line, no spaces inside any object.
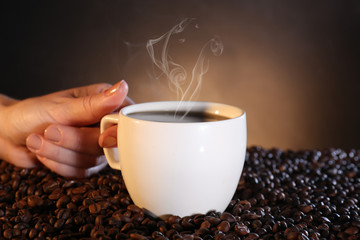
{"x":223,"y":110}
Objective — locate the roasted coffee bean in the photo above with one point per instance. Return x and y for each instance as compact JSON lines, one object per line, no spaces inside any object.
{"x":241,"y":229}
{"x":306,"y":208}
{"x":261,"y":231}
{"x":125,"y":200}
{"x":87,"y":202}
{"x":174,"y":219}
{"x":78,"y":190}
{"x":62,"y":201}
{"x":21,"y":226}
{"x":126,"y":227}
{"x":38,"y":225}
{"x":32,"y":233}
{"x":99,"y":220}
{"x":218,"y":235}
{"x":72,"y":207}
{"x":76,"y":198}
{"x":94,"y":195}
{"x":198,"y":219}
{"x":78,"y":220}
{"x":15,"y":183}
{"x":63,"y":213}
{"x":47,"y":228}
{"x":225,"y":216}
{"x":137,"y":217}
{"x":8,"y":233}
{"x":213,"y":220}
{"x":170,"y":233}
{"x":56,"y":194}
{"x":40,"y":173}
{"x":186,"y":222}
{"x":25,"y":215}
{"x":134,"y":208}
{"x":137,"y":236}
{"x":21,"y":204}
{"x":16,"y":232}
{"x":31,"y":189}
{"x":95,"y":208}
{"x":50,"y":186}
{"x":224,"y":226}
{"x":114,"y":222}
{"x":291,"y":235}
{"x":351,"y":230}
{"x":38,"y":192}
{"x":250,"y":216}
{"x":151,"y":224}
{"x":125,"y":219}
{"x":281,"y":195}
{"x":86,"y":228}
{"x":356,"y":223}
{"x":163,"y":228}
{"x":69,"y":221}
{"x":177,"y":227}
{"x":4,"y":177}
{"x":97,"y":231}
{"x":206,"y":224}
{"x":41,"y":235}
{"x":252,"y":236}
{"x":104,"y":204}
{"x":157,"y":234}
{"x":34,"y":201}
{"x":68,"y":184}
{"x":59,"y":223}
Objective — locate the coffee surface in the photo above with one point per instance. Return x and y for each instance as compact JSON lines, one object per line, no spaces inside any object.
{"x":172,"y":116}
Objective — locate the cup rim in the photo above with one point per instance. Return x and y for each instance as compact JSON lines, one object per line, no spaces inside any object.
{"x":229,"y":111}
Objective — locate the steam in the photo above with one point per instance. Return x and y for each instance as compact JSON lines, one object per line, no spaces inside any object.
{"x":186,"y":90}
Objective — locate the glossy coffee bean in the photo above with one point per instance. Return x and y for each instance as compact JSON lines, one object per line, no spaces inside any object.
{"x":281,"y":195}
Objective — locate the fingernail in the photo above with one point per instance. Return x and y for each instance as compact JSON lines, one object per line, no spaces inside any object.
{"x":53,"y":134}
{"x":115,"y":88}
{"x":109,"y":142}
{"x":34,"y":142}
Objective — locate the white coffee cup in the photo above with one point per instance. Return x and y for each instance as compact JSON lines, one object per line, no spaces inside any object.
{"x":177,"y":168}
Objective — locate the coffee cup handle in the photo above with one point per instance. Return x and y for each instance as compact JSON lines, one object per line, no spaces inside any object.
{"x":111,"y":154}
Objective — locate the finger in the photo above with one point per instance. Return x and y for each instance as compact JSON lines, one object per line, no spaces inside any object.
{"x":20,"y":156}
{"x":108,"y":138}
{"x":71,"y":171}
{"x":84,"y":140}
{"x":83,"y":91}
{"x":87,"y":110}
{"x":88,"y":90}
{"x":42,"y":147}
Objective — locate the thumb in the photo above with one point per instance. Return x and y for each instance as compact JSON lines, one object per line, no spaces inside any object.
{"x":91,"y":108}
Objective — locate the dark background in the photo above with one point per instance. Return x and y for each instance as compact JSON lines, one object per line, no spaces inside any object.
{"x":292,"y":65}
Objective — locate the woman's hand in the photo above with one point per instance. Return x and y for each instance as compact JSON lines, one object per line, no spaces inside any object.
{"x":108,"y":138}
{"x":59,"y":129}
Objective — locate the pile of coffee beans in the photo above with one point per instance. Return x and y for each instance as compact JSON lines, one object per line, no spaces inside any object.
{"x":281,"y":195}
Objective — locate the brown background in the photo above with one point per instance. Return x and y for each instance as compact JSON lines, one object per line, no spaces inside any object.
{"x":293,"y":66}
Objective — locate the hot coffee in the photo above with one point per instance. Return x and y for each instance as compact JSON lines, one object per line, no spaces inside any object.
{"x":171,"y":116}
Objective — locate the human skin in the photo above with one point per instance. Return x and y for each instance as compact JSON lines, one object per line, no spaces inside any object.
{"x":60,"y":130}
